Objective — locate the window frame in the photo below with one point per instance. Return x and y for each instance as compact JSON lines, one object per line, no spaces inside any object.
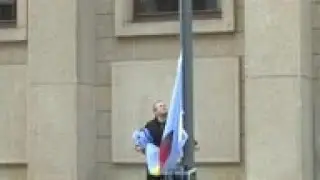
{"x":18,"y":32}
{"x":127,"y":26}
{"x":173,"y":15}
{"x":5,"y":23}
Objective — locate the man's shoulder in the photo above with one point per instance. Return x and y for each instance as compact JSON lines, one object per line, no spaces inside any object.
{"x":150,"y":123}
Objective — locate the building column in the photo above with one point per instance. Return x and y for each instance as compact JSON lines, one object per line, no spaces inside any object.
{"x":60,"y":108}
{"x":278,"y":86}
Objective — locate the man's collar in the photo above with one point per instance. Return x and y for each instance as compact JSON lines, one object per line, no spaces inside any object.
{"x":157,"y":120}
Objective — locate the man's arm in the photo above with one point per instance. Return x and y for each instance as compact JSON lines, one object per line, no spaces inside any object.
{"x":139,"y":149}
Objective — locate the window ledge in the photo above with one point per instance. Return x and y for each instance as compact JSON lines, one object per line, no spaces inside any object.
{"x":19,"y":33}
{"x":126,"y":27}
{"x":13,"y":34}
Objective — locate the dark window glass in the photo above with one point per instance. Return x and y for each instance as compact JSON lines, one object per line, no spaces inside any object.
{"x":8,"y":12}
{"x":168,"y":9}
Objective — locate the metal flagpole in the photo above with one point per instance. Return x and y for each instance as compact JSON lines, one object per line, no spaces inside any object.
{"x":187,"y":55}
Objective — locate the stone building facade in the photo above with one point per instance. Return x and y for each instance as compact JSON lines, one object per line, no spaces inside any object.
{"x":77,"y":76}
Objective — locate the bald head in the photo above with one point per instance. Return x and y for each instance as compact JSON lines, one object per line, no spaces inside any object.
{"x":159,"y":109}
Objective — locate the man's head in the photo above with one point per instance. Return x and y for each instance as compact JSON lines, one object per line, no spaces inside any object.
{"x":160,"y":109}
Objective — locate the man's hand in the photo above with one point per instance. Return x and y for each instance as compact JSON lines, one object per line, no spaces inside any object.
{"x":138,"y":149}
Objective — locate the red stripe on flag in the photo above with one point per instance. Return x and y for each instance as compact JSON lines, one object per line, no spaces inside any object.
{"x":165,"y":148}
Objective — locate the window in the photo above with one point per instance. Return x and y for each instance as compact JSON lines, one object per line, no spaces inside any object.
{"x":13,"y":20}
{"x":8,"y":13}
{"x":160,"y":17}
{"x":168,"y":9}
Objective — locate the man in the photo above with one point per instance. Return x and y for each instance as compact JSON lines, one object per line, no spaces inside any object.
{"x":156,"y":127}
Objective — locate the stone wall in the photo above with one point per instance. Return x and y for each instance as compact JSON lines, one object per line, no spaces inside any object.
{"x":13,"y":162}
{"x":316,"y":58}
{"x":160,"y":49}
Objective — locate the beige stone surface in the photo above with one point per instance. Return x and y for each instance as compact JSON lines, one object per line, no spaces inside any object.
{"x":106,"y":49}
{"x":103,"y":150}
{"x":52,"y":132}
{"x":103,"y":123}
{"x":240,"y":3}
{"x":279,"y":48}
{"x":105,"y":7}
{"x":52,"y":54}
{"x":86,"y":133}
{"x":103,"y":98}
{"x":307,"y":128}
{"x":216,"y":105}
{"x":13,"y":114}
{"x":316,"y":66}
{"x":274,"y":129}
{"x":85,"y":42}
{"x":239,"y":19}
{"x":104,"y":25}
{"x":13,"y":53}
{"x":107,"y":171}
{"x":103,"y":74}
{"x":317,"y":126}
{"x":316,"y":41}
{"x":146,"y":48}
{"x":278,"y":94}
{"x":316,"y":15}
{"x":13,"y":172}
{"x":61,"y":99}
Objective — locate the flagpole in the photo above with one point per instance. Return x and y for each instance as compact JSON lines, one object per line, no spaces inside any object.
{"x":187,"y":56}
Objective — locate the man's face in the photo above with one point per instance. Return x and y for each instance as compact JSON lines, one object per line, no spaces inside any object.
{"x":161,"y":109}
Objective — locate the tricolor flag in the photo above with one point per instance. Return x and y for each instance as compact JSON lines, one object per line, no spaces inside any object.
{"x":174,"y":136}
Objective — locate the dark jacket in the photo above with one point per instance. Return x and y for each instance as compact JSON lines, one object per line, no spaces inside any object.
{"x":156,"y":129}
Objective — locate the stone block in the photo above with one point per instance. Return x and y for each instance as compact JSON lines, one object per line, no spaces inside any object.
{"x":52,"y":132}
{"x":104,"y":26}
{"x":240,"y":19}
{"x":276,"y":124}
{"x":240,"y":3}
{"x":103,"y":74}
{"x":104,"y":123}
{"x":106,"y":49}
{"x":316,"y":41}
{"x":155,"y":48}
{"x":13,"y":172}
{"x":52,"y":53}
{"x":204,"y":46}
{"x":86,"y":132}
{"x":13,"y":53}
{"x":104,"y":6}
{"x":136,"y":85}
{"x":85,"y":43}
{"x":103,"y":98}
{"x":316,"y":66}
{"x":106,"y":171}
{"x":145,"y":48}
{"x":316,"y":15}
{"x":272,"y":49}
{"x":317,"y":120}
{"x":136,"y":172}
{"x":13,"y":114}
{"x":103,"y":150}
{"x":220,"y":172}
